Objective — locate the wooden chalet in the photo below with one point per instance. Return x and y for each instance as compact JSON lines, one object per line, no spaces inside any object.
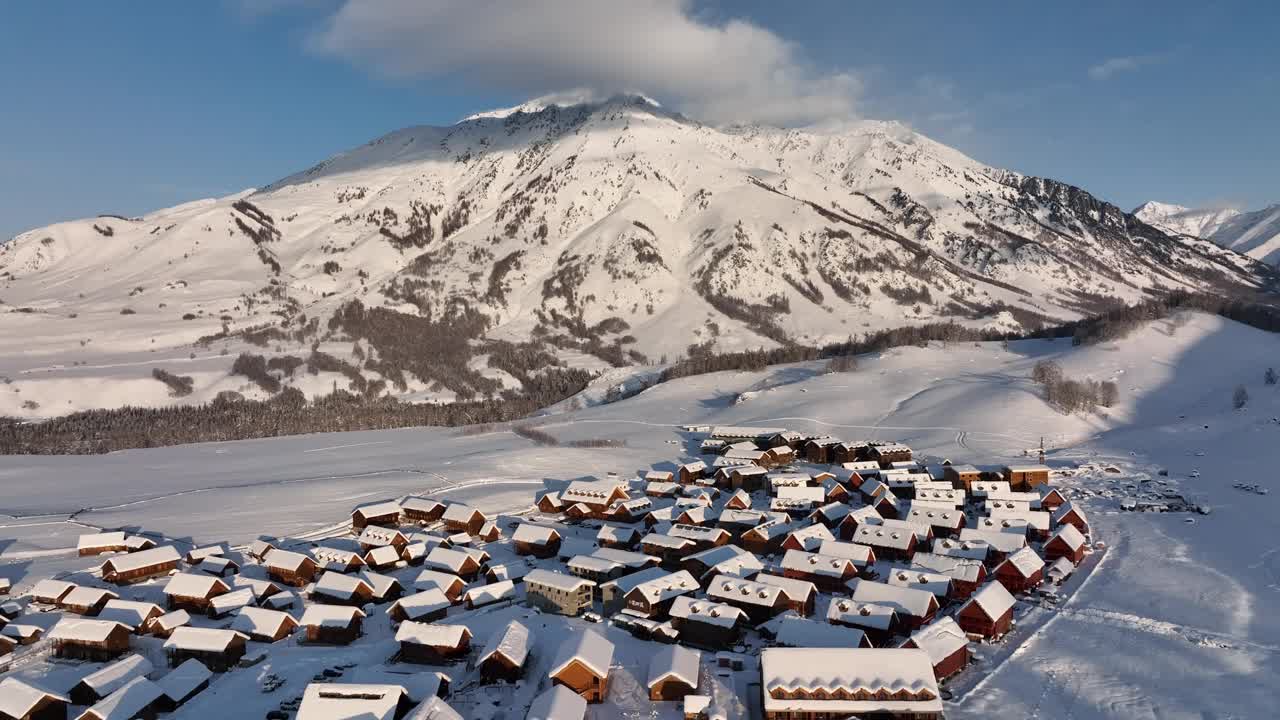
{"x":941,"y":522}
{"x":999,"y":544}
{"x":820,"y":451}
{"x":290,"y":568}
{"x":863,"y":557}
{"x":1021,"y":571}
{"x":1069,"y":514}
{"x":989,"y":612}
{"x":550,"y":503}
{"x":421,"y":510}
{"x":743,"y":477}
{"x":662,"y":489}
{"x":374,"y":536}
{"x":705,"y":623}
{"x":331,"y":624}
{"x":97,"y":640}
{"x":139,"y":566}
{"x":798,"y":595}
{"x":352,"y":701}
{"x":706,"y":537}
{"x":385,"y":514}
{"x":463,"y":518}
{"x":99,"y":543}
{"x":1025,"y":477}
{"x":1066,"y":542}
{"x":109,"y":678}
{"x":195,"y":556}
{"x":259,"y":548}
{"x":582,"y":665}
{"x":877,"y":622}
{"x":183,"y":683}
{"x":826,"y":572}
{"x":51,"y":592}
{"x":889,"y":453}
{"x":759,"y":601}
{"x":432,"y":644}
{"x":20,"y":701}
{"x":673,"y":673}
{"x":659,"y":476}
{"x":915,"y":608}
{"x":489,"y":594}
{"x":614,"y":536}
{"x":723,"y":560}
{"x":688,"y":473}
{"x":187,"y":591}
{"x":807,"y":539}
{"x":163,"y":626}
{"x":385,"y":557}
{"x":463,"y":564}
{"x":337,"y":589}
{"x":489,"y":532}
{"x":597,"y":495}
{"x":335,"y":559}
{"x":669,"y":549}
{"x":1051,"y":499}
{"x":888,"y":543}
{"x":652,"y":598}
{"x":766,"y":538}
{"x":504,"y":658}
{"x":855,"y":518}
{"x":830,"y":683}
{"x":937,"y":583}
{"x":426,"y":606}
{"x":793,"y":631}
{"x":218,"y":650}
{"x":946,"y":644}
{"x":264,"y":625}
{"x":138,"y":698}
{"x":962,"y":476}
{"x":87,"y":601}
{"x":536,"y":540}
{"x":218,"y":566}
{"x":20,"y":634}
{"x":448,"y":583}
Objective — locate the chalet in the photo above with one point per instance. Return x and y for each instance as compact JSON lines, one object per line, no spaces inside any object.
{"x":349,"y":701}
{"x":195,"y":556}
{"x":514,"y":571}
{"x":164,"y":625}
{"x":139,"y":566}
{"x":426,"y":606}
{"x":1037,"y":521}
{"x":849,"y":682}
{"x":856,"y":518}
{"x":653,"y":597}
{"x":337,"y":559}
{"x":463,"y":518}
{"x":740,"y":500}
{"x":807,"y":539}
{"x":98,"y":640}
{"x":337,"y":589}
{"x":582,"y":665}
{"x":489,"y":594}
{"x":263,"y":625}
{"x":758,"y":600}
{"x":106,"y":680}
{"x":183,"y":683}
{"x":738,"y":522}
{"x":922,"y":531}
{"x":662,"y":476}
{"x":559,"y":593}
{"x":421,"y":510}
{"x":415,"y":552}
{"x":87,"y":601}
{"x":978,"y":550}
{"x":927,"y":493}
{"x":549,"y":503}
{"x":1011,"y":500}
{"x":794,"y":507}
{"x":724,"y":560}
{"x":917,"y":579}
{"x":662,"y":489}
{"x":385,"y":514}
{"x":557,"y":703}
{"x":451,"y":585}
{"x":627,"y":511}
{"x":614,"y":536}
{"x":705,"y":623}
{"x":536,"y":540}
{"x":669,"y":549}
{"x":798,"y":595}
{"x":820,"y":451}
{"x":788,"y":480}
{"x":138,"y":543}
{"x":689,"y":472}
{"x":915,"y":608}
{"x":877,"y":622}
{"x":98,"y":543}
{"x":1051,"y":499}
{"x":828,"y":573}
{"x":432,"y":644}
{"x":613,"y":593}
{"x":218,"y":650}
{"x":218,"y":566}
{"x":51,"y":592}
{"x":748,"y":478}
{"x":889,"y":453}
{"x":20,"y":701}
{"x":999,"y":544}
{"x":888,"y":543}
{"x":989,"y":612}
{"x":747,"y":453}
{"x":489,"y":532}
{"x":766,"y":538}
{"x":331,"y":624}
{"x":833,"y":490}
{"x":673,"y":673}
{"x":504,"y":657}
{"x":259,"y":548}
{"x":138,"y":698}
{"x":1021,"y":571}
{"x":946,"y":644}
{"x":290,"y":568}
{"x":597,"y":569}
{"x":705,"y":537}
{"x":373,"y":536}
{"x":384,"y":557}
{"x":962,"y":476}
{"x":942,"y":523}
{"x":793,"y":631}
{"x":21,"y":634}
{"x":695,"y":516}
{"x":1069,"y":514}
{"x":460,"y":563}
{"x":887,"y":505}
{"x":862,"y":556}
{"x":1060,"y":569}
{"x":186,"y":591}
{"x":781,"y":455}
{"x":981,"y":489}
{"x":595,"y":494}
{"x":1025,"y":477}
{"x":1066,"y":542}
{"x":1009,"y":524}
{"x":831,"y":514}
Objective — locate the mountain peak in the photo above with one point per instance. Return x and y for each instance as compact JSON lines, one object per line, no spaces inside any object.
{"x":571,"y":98}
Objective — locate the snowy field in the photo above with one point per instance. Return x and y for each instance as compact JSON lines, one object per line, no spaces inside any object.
{"x":1173,"y":622}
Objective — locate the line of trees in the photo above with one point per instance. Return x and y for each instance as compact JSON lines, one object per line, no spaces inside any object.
{"x":1069,"y":395}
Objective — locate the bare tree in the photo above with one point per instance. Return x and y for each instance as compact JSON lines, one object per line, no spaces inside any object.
{"x":842,"y":364}
{"x":1239,"y":398}
{"x":1270,"y":376}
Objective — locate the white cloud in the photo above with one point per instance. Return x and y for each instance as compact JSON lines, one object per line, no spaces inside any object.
{"x":719,"y":72}
{"x":1127,"y":63}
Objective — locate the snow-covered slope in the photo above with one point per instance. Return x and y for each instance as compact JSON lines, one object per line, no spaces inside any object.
{"x":1256,"y":233}
{"x":615,"y":230}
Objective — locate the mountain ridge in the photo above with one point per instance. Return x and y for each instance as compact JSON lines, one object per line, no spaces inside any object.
{"x":1254,"y":233}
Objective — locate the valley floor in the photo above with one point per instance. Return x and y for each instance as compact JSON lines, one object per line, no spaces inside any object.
{"x":1172,"y":623}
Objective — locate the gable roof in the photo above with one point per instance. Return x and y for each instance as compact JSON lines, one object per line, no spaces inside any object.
{"x":202,"y":639}
{"x":143,"y":559}
{"x":940,"y":639}
{"x":512,"y":643}
{"x":589,"y":648}
{"x":132,"y":698}
{"x":675,"y":661}
{"x":795,"y":631}
{"x":557,"y":703}
{"x":993,"y":599}
{"x":17,"y":698}
{"x":1069,"y":535}
{"x":906,"y":600}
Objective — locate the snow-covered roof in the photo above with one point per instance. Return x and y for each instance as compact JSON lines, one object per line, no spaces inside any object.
{"x":96,"y":541}
{"x":669,"y":542}
{"x":706,"y":611}
{"x":733,"y":432}
{"x":203,"y":639}
{"x":126,"y":703}
{"x":452,"y":560}
{"x":84,"y":596}
{"x":815,"y":564}
{"x":969,"y":549}
{"x":906,"y":600}
{"x":552,"y":579}
{"x":87,"y":631}
{"x":881,"y":536}
{"x":381,"y":584}
{"x":853,"y":670}
{"x":675,"y":662}
{"x":1026,"y":561}
{"x":993,"y":598}
{"x":557,"y":703}
{"x":436,"y":579}
{"x":937,"y":583}
{"x":940,"y":639}
{"x":859,"y":554}
{"x":337,"y":585}
{"x":420,"y":504}
{"x":627,"y":558}
{"x":183,"y":680}
{"x":116,"y":675}
{"x":1027,"y":468}
{"x":1037,"y":519}
{"x":433,"y":634}
{"x":286,"y":559}
{"x":1069,"y":535}
{"x":333,"y":616}
{"x":732,"y":589}
{"x":934,"y":516}
{"x":382,"y":556}
{"x":812,"y":536}
{"x":349,"y":701}
{"x":433,"y":708}
{"x":625,"y":583}
{"x":17,"y":698}
{"x":1068,"y":508}
{"x":380,"y":509}
{"x":658,"y":476}
{"x":169,"y":621}
{"x":130,"y":612}
{"x":227,"y":602}
{"x":617,"y":533}
{"x":375,"y":536}
{"x":534,"y":534}
{"x":144,"y":559}
{"x":330,"y":558}
{"x":1005,"y":542}
{"x":457,"y":512}
{"x":512,"y":643}
{"x":794,"y":589}
{"x":669,"y":586}
{"x":423,"y":603}
{"x":592,"y":492}
{"x":728,"y":560}
{"x":589,"y":648}
{"x":795,"y":631}
{"x":1061,"y":568}
{"x":195,"y":555}
{"x":190,"y":585}
{"x":493,"y":592}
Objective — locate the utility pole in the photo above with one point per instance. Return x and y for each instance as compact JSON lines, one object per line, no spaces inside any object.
{"x":1041,"y":449}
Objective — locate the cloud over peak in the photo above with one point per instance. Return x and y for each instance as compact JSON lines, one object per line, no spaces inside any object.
{"x":719,"y":72}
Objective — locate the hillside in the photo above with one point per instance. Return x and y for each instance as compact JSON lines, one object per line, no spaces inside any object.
{"x":445,"y":263}
{"x":1256,"y":233}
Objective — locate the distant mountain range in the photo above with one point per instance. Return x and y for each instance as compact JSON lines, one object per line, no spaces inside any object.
{"x":1256,"y":233}
{"x":442,"y":262}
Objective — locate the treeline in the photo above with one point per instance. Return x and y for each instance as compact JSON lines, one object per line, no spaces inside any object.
{"x":1260,"y":312}
{"x":1068,"y":395}
{"x":546,"y":439}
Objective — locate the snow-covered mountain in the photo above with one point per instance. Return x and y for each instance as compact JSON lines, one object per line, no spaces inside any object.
{"x":437,"y":262}
{"x":1256,"y":233}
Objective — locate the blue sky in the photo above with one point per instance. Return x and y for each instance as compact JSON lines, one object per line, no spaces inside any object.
{"x":113,"y":108}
